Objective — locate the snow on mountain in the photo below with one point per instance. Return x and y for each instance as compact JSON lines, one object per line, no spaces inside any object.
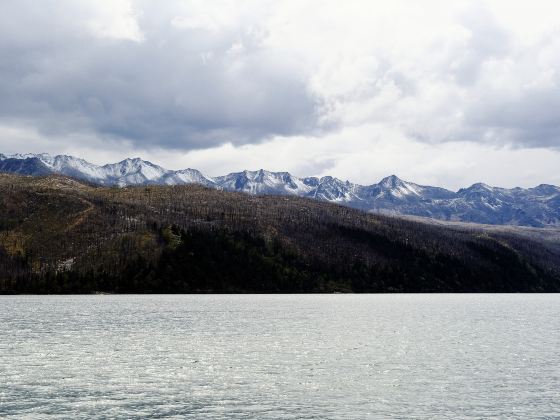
{"x":127,"y":172}
{"x":481,"y":203}
{"x":263,"y":182}
{"x":187,"y":176}
{"x":133,"y":172}
{"x":74,"y":167}
{"x":24,"y":165}
{"x":20,"y":156}
{"x":399,"y":188}
{"x":335,"y":190}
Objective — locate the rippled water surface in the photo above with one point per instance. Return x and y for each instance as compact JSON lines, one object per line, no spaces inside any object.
{"x":283,"y":356}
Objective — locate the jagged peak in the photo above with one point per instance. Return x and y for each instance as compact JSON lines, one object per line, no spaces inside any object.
{"x":479,"y":186}
{"x":135,"y":160}
{"x":391,"y":181}
{"x":187,"y":170}
{"x":330,"y":179}
{"x":40,"y":156}
{"x":135,"y":163}
{"x":47,"y":158}
{"x":399,"y":188}
{"x":67,"y":157}
{"x":546,"y":189}
{"x":257,"y":174}
{"x":546,"y":186}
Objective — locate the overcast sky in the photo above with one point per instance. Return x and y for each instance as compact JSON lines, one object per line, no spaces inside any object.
{"x":444,"y":93}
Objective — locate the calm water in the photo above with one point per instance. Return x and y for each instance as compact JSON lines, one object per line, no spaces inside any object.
{"x":295,"y":356}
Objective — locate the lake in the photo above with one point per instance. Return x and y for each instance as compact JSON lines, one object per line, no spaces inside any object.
{"x":280,"y":356}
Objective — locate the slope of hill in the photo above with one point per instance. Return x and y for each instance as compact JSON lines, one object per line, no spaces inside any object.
{"x":480,"y":203}
{"x":58,"y":235}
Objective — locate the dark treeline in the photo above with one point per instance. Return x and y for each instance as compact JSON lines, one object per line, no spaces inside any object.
{"x":61,"y":236}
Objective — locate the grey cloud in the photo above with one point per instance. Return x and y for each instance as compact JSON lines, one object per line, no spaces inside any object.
{"x":54,"y":73}
{"x":488,"y":40}
{"x":185,"y":87}
{"x":523,"y":114}
{"x":529,"y":120}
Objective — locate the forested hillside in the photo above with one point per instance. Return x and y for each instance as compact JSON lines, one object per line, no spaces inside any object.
{"x":58,"y":235}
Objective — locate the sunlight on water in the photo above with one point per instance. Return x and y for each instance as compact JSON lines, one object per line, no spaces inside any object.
{"x":287,"y":356}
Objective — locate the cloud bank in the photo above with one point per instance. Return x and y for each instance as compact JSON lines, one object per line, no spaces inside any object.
{"x":438,"y":91}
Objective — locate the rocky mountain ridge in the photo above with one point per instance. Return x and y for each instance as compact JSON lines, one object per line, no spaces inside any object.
{"x":480,"y":203}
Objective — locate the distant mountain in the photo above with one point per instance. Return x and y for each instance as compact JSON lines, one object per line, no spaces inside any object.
{"x":480,"y":203}
{"x":127,"y":172}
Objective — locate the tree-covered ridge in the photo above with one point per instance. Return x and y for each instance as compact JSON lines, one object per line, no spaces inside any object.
{"x":58,"y":235}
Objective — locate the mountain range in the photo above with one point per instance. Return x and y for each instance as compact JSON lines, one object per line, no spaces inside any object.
{"x":480,"y":203}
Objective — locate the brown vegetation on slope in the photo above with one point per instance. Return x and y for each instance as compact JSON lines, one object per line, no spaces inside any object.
{"x":53,"y":226}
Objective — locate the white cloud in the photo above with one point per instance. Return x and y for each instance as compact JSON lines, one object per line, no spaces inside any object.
{"x":115,"y":19}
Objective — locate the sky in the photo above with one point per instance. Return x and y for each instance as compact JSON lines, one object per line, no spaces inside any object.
{"x":444,"y":93}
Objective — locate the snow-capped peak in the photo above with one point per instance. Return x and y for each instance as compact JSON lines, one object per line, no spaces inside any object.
{"x":44,"y":157}
{"x":136,"y":169}
{"x":391,"y":181}
{"x":480,"y":186}
{"x":187,"y":176}
{"x":399,"y":188}
{"x":263,"y":182}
